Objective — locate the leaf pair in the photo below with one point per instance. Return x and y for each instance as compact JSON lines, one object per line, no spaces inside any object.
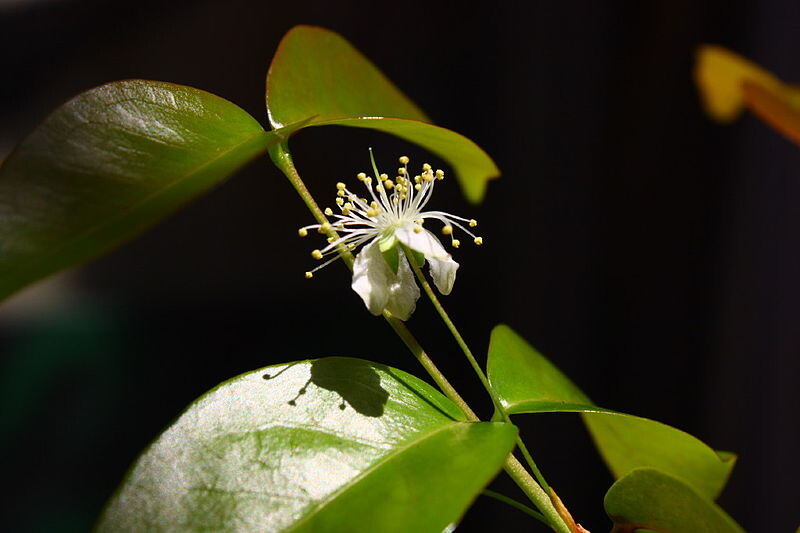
{"x":667,"y":479}
{"x":115,"y":160}
{"x":329,"y":445}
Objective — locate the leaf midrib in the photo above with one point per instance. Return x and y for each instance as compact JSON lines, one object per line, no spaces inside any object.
{"x":372,"y":468}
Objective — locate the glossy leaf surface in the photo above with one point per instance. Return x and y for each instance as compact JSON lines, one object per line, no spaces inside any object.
{"x":110,"y":163}
{"x":647,"y":499}
{"x":528,"y":383}
{"x":316,"y":73}
{"x":334,"y":444}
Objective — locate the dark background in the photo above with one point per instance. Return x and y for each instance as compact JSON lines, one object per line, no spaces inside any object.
{"x":651,"y":254}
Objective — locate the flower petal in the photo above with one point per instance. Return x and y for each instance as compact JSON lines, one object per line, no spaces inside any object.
{"x":380,"y":288}
{"x":372,"y":277}
{"x":443,"y":274}
{"x":424,"y":242}
{"x":403,"y":292}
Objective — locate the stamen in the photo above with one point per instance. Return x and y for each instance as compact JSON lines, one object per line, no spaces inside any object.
{"x":303,"y":232}
{"x":478,"y":240}
{"x":316,"y":254}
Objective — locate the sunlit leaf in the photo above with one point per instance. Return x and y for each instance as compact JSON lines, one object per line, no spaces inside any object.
{"x":528,"y":383}
{"x":316,"y":73}
{"x":329,"y":445}
{"x":647,"y":499}
{"x":107,"y":165}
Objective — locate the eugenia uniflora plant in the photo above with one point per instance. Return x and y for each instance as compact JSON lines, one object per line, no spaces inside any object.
{"x":331,"y":444}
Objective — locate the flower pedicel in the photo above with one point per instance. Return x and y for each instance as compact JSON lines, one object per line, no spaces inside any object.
{"x":391,"y":222}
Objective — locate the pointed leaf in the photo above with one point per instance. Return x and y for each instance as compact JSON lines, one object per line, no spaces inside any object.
{"x":319,"y":75}
{"x":110,"y":163}
{"x":528,"y":383}
{"x":334,"y":444}
{"x":649,"y":499}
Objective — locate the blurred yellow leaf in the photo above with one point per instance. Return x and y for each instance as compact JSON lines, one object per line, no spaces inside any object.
{"x":728,"y":82}
{"x":720,"y":73}
{"x":778,"y":108}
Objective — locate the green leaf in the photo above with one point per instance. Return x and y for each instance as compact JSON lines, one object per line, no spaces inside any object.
{"x":649,"y":499}
{"x":334,"y":444}
{"x":528,"y":383}
{"x":107,"y":165}
{"x":318,"y":75}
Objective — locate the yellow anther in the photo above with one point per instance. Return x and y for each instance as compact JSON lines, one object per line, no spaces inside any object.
{"x":440,"y":174}
{"x":389,"y":184}
{"x":373,"y":204}
{"x":401,"y":171}
{"x":324,"y":228}
{"x":368,"y":180}
{"x":345,"y":211}
{"x":348,"y":205}
{"x":402,"y":196}
{"x":418,"y":186}
{"x":456,"y":243}
{"x":417,"y":179}
{"x":478,"y":240}
{"x":328,"y":212}
{"x":373,"y":212}
{"x":417,"y":229}
{"x":473,"y":223}
{"x":399,"y":179}
{"x":447,"y":230}
{"x":331,"y":239}
{"x":340,"y":202}
{"x":384,"y":177}
{"x":341,"y":186}
{"x":361,"y":176}
{"x":316,"y":254}
{"x":302,"y":232}
{"x":340,"y":193}
{"x":309,"y":275}
{"x":426,"y":166}
{"x":339,"y":225}
{"x":403,"y":160}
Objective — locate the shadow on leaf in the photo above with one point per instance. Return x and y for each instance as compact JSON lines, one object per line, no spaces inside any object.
{"x":354,"y":380}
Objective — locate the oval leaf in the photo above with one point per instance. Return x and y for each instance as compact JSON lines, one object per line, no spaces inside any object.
{"x":317,"y":76}
{"x":334,"y":444}
{"x":316,"y":72}
{"x":107,"y":165}
{"x":649,"y":499}
{"x":528,"y":383}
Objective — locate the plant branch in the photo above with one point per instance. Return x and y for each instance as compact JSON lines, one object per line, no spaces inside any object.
{"x":282,"y":158}
{"x":517,"y":505}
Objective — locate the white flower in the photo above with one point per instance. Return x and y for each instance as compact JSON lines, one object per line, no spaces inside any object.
{"x":394,"y":215}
